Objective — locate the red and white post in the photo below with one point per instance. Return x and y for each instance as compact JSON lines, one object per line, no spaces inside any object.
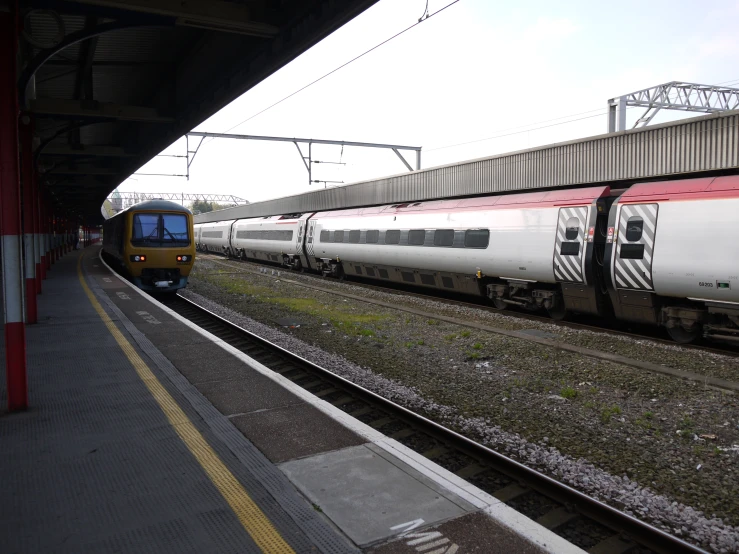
{"x":29,"y":256}
{"x":10,"y":219}
{"x":37,"y":239}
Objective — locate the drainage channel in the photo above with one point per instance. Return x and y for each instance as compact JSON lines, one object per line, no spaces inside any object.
{"x":578,"y":518}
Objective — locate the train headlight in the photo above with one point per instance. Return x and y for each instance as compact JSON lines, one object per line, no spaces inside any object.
{"x":184,"y":258}
{"x":138,"y":257}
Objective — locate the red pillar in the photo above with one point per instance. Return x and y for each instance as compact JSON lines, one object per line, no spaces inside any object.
{"x":29,"y":256}
{"x":10,"y":219}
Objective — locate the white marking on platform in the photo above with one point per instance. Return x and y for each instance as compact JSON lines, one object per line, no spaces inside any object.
{"x":107,"y":279}
{"x":146,"y":316}
{"x":123,"y":296}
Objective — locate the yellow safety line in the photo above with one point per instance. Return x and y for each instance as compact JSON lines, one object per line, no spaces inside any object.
{"x":251,"y":517}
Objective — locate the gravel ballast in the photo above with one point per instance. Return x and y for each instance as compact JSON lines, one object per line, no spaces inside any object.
{"x":648,"y":444}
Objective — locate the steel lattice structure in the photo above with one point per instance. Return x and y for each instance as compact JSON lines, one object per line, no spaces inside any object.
{"x":119,"y":201}
{"x":676,"y":95}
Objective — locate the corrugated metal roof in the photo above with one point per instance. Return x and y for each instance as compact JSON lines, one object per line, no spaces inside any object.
{"x":700,"y":144}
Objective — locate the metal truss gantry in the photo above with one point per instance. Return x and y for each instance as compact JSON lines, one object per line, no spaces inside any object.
{"x":676,"y":95}
{"x":308,"y":160}
{"x":121,"y":200}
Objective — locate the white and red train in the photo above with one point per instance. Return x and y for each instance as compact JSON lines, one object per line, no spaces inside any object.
{"x":663,"y":253}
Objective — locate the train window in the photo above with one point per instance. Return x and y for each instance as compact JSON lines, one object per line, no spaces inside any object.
{"x":476,"y":238}
{"x":338,"y":236}
{"x":373,"y":237}
{"x":416,"y":236}
{"x":145,"y":226}
{"x":443,"y":237}
{"x":324,"y":236}
{"x":572,"y":228}
{"x":570,"y":249}
{"x":392,"y":237}
{"x":632,"y":251}
{"x":634,"y":228}
{"x":354,"y":236}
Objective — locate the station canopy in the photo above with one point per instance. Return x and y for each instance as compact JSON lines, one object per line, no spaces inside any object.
{"x":111,"y":83}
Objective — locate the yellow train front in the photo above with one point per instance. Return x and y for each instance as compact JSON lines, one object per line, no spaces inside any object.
{"x":153,"y":242}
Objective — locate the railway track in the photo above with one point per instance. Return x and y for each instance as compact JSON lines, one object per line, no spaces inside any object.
{"x":645,"y":332}
{"x":584,"y":521}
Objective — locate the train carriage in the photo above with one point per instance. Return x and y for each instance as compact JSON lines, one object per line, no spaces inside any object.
{"x":673,"y":256}
{"x":215,"y":237}
{"x":532,"y":250}
{"x":273,"y":239}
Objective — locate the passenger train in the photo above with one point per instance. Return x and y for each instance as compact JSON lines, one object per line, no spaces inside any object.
{"x":153,"y":242}
{"x":663,"y":253}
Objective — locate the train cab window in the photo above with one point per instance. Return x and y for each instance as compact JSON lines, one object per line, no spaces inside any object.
{"x":443,"y":237}
{"x":572,"y":228}
{"x":416,"y":237}
{"x":160,"y":230}
{"x":373,"y":237}
{"x":325,"y":236}
{"x":634,"y":229}
{"x":476,"y":238}
{"x":570,"y":249}
{"x":354,"y":237}
{"x":339,"y":236}
{"x":392,"y":237}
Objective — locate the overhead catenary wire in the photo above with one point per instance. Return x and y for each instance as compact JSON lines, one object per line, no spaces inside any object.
{"x":301,"y":89}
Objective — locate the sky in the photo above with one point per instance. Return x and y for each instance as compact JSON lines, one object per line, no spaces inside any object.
{"x":477,"y":79}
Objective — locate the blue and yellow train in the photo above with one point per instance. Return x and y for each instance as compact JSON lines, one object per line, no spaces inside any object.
{"x":153,"y":242}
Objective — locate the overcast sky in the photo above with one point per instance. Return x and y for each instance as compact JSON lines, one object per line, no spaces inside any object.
{"x":479,"y":69}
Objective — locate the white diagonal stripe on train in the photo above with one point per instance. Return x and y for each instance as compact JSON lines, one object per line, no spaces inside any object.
{"x":563,"y":269}
{"x":652,"y":210}
{"x":620,"y":270}
{"x":626,"y":210}
{"x":557,"y":272}
{"x":560,"y":237}
{"x":648,"y":240}
{"x":646,"y":273}
{"x":635,"y":272}
{"x":646,"y":218}
{"x":620,"y":281}
{"x":571,"y":267}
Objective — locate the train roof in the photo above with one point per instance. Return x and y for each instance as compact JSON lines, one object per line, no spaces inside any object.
{"x":535,"y":199}
{"x":687,"y":189}
{"x":164,"y":205}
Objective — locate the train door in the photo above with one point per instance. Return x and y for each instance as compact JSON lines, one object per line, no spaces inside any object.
{"x":309,"y":239}
{"x":634,"y":237}
{"x":569,"y":245}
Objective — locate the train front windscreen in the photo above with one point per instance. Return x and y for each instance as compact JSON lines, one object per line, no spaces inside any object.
{"x":160,"y":230}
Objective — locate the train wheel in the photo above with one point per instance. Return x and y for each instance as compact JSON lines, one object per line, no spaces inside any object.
{"x":681,"y":336}
{"x":498,"y":304}
{"x":558,"y":312}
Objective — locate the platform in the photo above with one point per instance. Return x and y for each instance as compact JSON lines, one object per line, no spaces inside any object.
{"x":148,"y":434}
